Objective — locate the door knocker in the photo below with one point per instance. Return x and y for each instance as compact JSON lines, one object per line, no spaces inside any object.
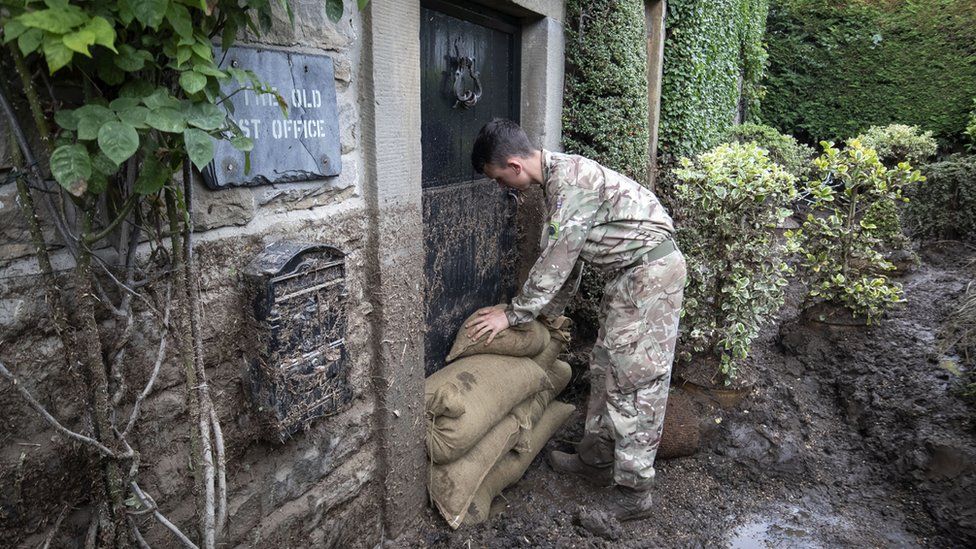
{"x":466,"y":98}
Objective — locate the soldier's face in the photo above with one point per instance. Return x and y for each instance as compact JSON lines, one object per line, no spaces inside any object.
{"x":510,"y":176}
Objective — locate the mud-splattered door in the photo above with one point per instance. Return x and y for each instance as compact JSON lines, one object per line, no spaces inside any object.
{"x":469,"y":75}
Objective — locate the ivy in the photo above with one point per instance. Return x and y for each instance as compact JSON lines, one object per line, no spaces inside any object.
{"x":709,"y":48}
{"x":837,"y":68}
{"x":605,"y":106}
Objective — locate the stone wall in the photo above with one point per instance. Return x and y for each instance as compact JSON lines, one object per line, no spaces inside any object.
{"x":321,"y":487}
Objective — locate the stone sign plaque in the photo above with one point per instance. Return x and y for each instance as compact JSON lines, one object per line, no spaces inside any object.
{"x":300,"y":147}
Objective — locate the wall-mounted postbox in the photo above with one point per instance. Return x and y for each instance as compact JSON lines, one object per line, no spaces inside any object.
{"x":298,"y":371}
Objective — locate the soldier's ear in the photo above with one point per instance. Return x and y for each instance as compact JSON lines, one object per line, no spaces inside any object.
{"x":516,"y":166}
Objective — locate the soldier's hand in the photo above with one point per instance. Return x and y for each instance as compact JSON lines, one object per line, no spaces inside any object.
{"x":489,"y":320}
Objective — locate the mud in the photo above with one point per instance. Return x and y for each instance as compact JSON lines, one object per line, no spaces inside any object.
{"x":852,"y":436}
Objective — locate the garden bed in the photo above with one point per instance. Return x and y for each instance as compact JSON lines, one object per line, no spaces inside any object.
{"x":852,"y":436}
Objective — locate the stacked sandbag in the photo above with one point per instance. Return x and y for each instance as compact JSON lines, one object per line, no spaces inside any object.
{"x":488,"y":403}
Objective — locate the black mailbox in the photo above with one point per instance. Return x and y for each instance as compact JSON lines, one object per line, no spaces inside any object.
{"x":298,"y":370}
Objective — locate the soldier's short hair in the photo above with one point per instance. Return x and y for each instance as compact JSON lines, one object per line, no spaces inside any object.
{"x":498,"y":141}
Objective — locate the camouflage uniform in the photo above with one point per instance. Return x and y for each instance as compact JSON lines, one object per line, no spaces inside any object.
{"x":611,"y":222}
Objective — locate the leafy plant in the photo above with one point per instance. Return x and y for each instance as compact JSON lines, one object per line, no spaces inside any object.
{"x":842,"y":259}
{"x":783,"y":149}
{"x":732,"y":199}
{"x":946,"y":206}
{"x":898,"y":143}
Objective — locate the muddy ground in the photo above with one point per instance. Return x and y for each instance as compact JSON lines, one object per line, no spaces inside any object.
{"x":852,"y":436}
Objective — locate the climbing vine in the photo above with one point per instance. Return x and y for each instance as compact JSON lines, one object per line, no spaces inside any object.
{"x":710,"y":48}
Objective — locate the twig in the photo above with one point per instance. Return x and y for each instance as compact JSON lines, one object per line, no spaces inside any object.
{"x":160,"y":357}
{"x":50,"y":419}
{"x":221,"y":471}
{"x":148,"y":502}
{"x":136,"y":534}
{"x":56,"y":527}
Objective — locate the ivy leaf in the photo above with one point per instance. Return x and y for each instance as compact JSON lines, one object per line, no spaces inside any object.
{"x":118,"y":141}
{"x":149,"y":12}
{"x":161,"y":98}
{"x":131,"y":59}
{"x":30,"y":41}
{"x":79,"y":41}
{"x":90,"y":120}
{"x":103,"y":31}
{"x":12,"y":29}
{"x":333,"y":9}
{"x":135,"y":117}
{"x":241,"y":143}
{"x":192,"y":82}
{"x":166,"y":119}
{"x":55,"y":20}
{"x":203,"y":49}
{"x":362,"y":4}
{"x":206,"y":116}
{"x":67,"y":119}
{"x":97,"y":183}
{"x":71,"y":167}
{"x":152,"y":176}
{"x":199,"y":146}
{"x":56,"y":53}
{"x":103,"y":164}
{"x":137,"y":88}
{"x":179,"y":17}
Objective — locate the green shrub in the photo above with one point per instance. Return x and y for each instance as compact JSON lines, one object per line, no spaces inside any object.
{"x":783,"y":149}
{"x":733,"y":198}
{"x":898,"y":143}
{"x":842,"y":259}
{"x":837,"y":68}
{"x":946,"y":206}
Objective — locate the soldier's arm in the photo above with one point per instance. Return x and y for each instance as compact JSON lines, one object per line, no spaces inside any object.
{"x":568,"y":228}
{"x":565,"y":293}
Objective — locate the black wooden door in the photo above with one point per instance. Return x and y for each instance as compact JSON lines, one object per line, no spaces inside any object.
{"x":469,"y":230}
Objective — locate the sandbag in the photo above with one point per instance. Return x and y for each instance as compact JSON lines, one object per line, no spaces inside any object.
{"x":527,"y":339}
{"x":465,"y":399}
{"x":452,"y":485}
{"x":530,"y":411}
{"x":512,"y":465}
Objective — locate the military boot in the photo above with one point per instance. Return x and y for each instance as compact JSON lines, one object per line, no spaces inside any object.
{"x":630,"y":503}
{"x":562,"y":462}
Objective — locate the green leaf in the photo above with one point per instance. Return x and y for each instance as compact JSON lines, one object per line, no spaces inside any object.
{"x":166,"y":119}
{"x":161,"y":98}
{"x":56,"y":53}
{"x":71,"y":167}
{"x":192,"y":82}
{"x":97,"y":183}
{"x":203,"y":49}
{"x":362,"y":4}
{"x":67,"y":119}
{"x":103,"y":31}
{"x":206,"y":116}
{"x":79,"y":41}
{"x":152,"y":176}
{"x":90,"y":120}
{"x":118,"y":141}
{"x":137,"y":88}
{"x":241,"y":143}
{"x":135,"y":117}
{"x":333,"y":9}
{"x":103,"y":164}
{"x":55,"y":20}
{"x":12,"y":29}
{"x":30,"y":41}
{"x":123,"y":103}
{"x":199,"y":147}
{"x":179,"y":17}
{"x":210,"y":70}
{"x":149,"y":12}
{"x":131,"y":59}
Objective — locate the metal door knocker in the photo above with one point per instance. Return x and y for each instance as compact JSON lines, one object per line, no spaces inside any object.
{"x":466,"y":98}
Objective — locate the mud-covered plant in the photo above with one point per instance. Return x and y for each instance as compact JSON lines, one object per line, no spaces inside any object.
{"x":843,"y":254}
{"x":732,"y":200}
{"x":783,"y":149}
{"x":897,"y":143}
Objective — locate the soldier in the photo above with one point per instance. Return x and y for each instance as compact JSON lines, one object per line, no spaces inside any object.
{"x":608,"y":220}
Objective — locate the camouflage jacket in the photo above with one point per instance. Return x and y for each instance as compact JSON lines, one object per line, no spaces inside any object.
{"x":595,"y":214}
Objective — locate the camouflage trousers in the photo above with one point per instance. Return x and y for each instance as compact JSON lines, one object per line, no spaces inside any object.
{"x":630,"y":369}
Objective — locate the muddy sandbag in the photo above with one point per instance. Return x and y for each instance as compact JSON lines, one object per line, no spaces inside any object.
{"x":527,"y":339}
{"x":452,"y":485}
{"x":465,"y":399}
{"x":529,"y":412}
{"x":512,"y":465}
{"x":681,"y":436}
